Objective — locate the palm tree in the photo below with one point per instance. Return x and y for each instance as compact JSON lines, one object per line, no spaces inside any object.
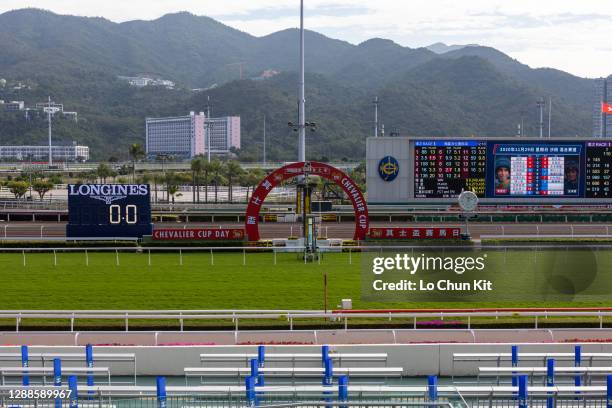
{"x":232,"y":171}
{"x":104,"y":171}
{"x":157,"y":178}
{"x":206,"y":170}
{"x":216,"y":171}
{"x":197,"y":164}
{"x":136,"y":153}
{"x":172,"y":184}
{"x":251,"y":179}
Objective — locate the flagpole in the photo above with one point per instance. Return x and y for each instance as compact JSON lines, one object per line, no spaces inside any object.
{"x":549,"y":115}
{"x":602,"y":120}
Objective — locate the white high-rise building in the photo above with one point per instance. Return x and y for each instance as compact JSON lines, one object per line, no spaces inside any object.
{"x":61,"y":153}
{"x":224,"y":134}
{"x":181,"y":137}
{"x":184,"y":137}
{"x":602,"y":122}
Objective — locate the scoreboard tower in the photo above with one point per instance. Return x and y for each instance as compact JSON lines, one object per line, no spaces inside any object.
{"x":498,"y":170}
{"x":109,"y":211}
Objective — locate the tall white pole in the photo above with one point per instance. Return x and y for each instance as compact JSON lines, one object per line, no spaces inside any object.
{"x":302,"y":101}
{"x":207,"y":126}
{"x":376,"y":117}
{"x":50,"y":145}
{"x":549,"y":115}
{"x":264,"y":141}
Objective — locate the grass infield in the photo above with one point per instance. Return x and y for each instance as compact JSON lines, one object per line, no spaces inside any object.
{"x":195,"y":281}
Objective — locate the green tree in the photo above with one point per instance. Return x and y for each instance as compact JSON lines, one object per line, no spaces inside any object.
{"x":18,"y":188}
{"x":251,"y":179}
{"x":136,"y":153}
{"x":157,"y":179}
{"x":42,"y":187}
{"x":232,"y":171}
{"x":197,"y":165}
{"x":173,"y":183}
{"x":56,"y":178}
{"x":207,"y":168}
{"x":216,"y":176}
{"x":104,"y":171}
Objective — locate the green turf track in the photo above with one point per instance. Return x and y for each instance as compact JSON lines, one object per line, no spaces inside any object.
{"x":204,"y":283}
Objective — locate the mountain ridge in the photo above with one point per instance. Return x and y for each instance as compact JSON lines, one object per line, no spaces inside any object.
{"x":470,"y":90}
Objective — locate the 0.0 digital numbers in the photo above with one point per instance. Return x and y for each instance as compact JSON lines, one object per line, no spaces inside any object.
{"x":131,"y":214}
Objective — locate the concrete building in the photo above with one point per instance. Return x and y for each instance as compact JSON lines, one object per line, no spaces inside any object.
{"x":14,"y":106}
{"x":141,"y":82}
{"x":602,"y":122}
{"x":55,"y":107}
{"x":61,"y":153}
{"x":224,"y":134}
{"x":181,"y":137}
{"x":186,"y":136}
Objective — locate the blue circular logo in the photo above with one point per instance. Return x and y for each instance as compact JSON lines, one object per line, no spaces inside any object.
{"x":388,"y":168}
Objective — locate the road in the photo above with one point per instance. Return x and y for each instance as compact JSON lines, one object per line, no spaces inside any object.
{"x":332,"y":230}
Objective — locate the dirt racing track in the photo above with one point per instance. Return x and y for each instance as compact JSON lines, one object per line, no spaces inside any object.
{"x":308,"y":337}
{"x":343,"y":230}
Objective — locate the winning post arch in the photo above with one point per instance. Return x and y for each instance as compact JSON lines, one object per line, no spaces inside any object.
{"x":307,"y":169}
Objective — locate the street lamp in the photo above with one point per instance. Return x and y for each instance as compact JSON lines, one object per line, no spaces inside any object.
{"x":163,"y":157}
{"x":308,"y":125}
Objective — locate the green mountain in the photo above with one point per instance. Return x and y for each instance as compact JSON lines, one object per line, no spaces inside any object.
{"x":465,"y":91}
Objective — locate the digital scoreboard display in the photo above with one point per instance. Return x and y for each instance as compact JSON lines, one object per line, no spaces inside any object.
{"x":443,"y":169}
{"x":108,"y":211}
{"x":536,"y":169}
{"x":512,"y":168}
{"x":598,"y":170}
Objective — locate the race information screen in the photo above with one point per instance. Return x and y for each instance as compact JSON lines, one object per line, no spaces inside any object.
{"x":536,"y":169}
{"x":598,"y":169}
{"x":513,"y":168}
{"x":444,"y":168}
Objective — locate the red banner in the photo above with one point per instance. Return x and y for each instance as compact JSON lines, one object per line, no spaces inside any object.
{"x":606,"y":108}
{"x":415,"y":233}
{"x":199,"y":234}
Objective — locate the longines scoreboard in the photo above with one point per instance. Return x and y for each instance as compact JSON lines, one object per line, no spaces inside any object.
{"x":108,"y":211}
{"x":497,"y":170}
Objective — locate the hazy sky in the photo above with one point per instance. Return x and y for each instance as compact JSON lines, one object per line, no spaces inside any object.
{"x":570,"y":35}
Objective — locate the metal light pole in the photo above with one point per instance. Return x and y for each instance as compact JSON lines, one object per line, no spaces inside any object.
{"x":376,"y":117}
{"x":264,"y":140}
{"x":302,"y":98}
{"x":549,"y":115}
{"x":207,"y":127}
{"x":50,"y":145}
{"x":540,"y":103}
